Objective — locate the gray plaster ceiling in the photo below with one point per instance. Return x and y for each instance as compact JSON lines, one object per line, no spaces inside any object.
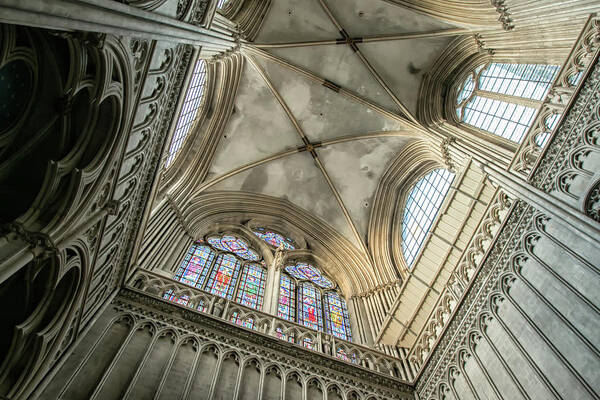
{"x":356,"y":132}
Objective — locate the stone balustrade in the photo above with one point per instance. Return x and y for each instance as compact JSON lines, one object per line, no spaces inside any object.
{"x":202,"y":301}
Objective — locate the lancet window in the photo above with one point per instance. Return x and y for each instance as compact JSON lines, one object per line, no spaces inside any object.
{"x":422,"y":206}
{"x":225,"y":266}
{"x":503,"y":99}
{"x":310,"y":298}
{"x":189,"y":110}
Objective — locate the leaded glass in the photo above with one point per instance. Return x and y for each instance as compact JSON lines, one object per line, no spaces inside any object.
{"x":183,"y":299}
{"x":287,"y":299}
{"x":530,"y":81}
{"x":234,"y":245}
{"x":281,"y":335}
{"x":503,"y":117}
{"x":467,"y":90}
{"x":309,"y":306}
{"x":422,"y":206}
{"x":189,"y":110}
{"x":252,"y":287}
{"x":245,"y":322}
{"x":343,"y":355}
{"x":309,"y":344}
{"x":305,"y":271}
{"x":274,"y":238}
{"x":336,"y":316}
{"x":224,"y":276}
{"x":508,"y":120}
{"x":194,"y":267}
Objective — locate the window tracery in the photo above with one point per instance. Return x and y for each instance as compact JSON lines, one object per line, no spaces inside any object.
{"x":189,"y":111}
{"x":225,"y":266}
{"x":275,"y":239}
{"x":310,"y":298}
{"x":503,"y":99}
{"x":422,"y":206}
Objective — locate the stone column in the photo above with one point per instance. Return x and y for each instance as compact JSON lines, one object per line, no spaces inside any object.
{"x":272,"y":283}
{"x":109,"y":17}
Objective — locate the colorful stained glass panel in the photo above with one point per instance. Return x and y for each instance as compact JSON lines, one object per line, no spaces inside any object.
{"x":305,"y":271}
{"x":194,"y":267}
{"x":234,"y":245}
{"x":281,"y":335}
{"x":309,"y":344}
{"x":247,"y":322}
{"x":309,"y":307}
{"x":287,"y":299}
{"x":252,"y":286}
{"x":224,"y":276}
{"x":336,"y":316}
{"x":274,"y":238}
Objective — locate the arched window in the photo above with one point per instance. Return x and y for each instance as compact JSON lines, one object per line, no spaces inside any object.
{"x":422,"y":206}
{"x":310,"y":298}
{"x":189,"y":109}
{"x":503,"y":99}
{"x":225,"y":266}
{"x":275,"y":239}
{"x":221,"y":3}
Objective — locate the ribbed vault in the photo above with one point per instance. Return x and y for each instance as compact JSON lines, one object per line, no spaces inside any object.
{"x":326,"y":100}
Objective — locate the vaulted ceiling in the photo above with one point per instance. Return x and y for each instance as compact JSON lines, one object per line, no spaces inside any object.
{"x":327,"y":99}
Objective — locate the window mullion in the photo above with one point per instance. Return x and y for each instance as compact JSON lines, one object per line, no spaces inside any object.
{"x":210,"y":268}
{"x":509,"y":99}
{"x":239,"y":280}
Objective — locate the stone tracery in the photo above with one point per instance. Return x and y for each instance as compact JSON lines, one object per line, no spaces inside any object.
{"x":99,"y":217}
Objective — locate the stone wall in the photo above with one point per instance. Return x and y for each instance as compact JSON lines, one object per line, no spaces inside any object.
{"x":142,"y":347}
{"x":527,"y":327}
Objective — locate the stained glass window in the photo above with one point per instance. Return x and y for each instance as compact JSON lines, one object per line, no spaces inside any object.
{"x":169,"y":295}
{"x":336,"y":316}
{"x":281,"y":335}
{"x":235,"y":245}
{"x":189,"y":110}
{"x":245,"y":322}
{"x":274,"y":238}
{"x":309,"y":306}
{"x":343,"y":355}
{"x":194,"y":267}
{"x":205,"y":268}
{"x":287,"y":299}
{"x":490,"y":103}
{"x":309,"y":344}
{"x":224,"y":276}
{"x":422,"y":206}
{"x":252,"y":287}
{"x":309,"y":272}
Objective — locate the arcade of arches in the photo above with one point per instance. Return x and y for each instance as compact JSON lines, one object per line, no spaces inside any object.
{"x":300,"y":199}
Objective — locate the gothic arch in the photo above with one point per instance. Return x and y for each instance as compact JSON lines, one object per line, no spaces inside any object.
{"x":385,"y":223}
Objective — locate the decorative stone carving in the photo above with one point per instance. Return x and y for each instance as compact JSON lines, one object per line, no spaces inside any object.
{"x":592,"y":203}
{"x":263,"y":347}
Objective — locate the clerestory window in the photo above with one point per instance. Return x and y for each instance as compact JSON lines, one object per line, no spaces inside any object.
{"x":225,"y":266}
{"x":503,"y":99}
{"x":310,"y":298}
{"x":422,"y":206}
{"x":189,"y":110}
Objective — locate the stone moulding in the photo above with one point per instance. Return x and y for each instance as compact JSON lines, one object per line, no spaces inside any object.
{"x":497,"y":261}
{"x":262,"y":345}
